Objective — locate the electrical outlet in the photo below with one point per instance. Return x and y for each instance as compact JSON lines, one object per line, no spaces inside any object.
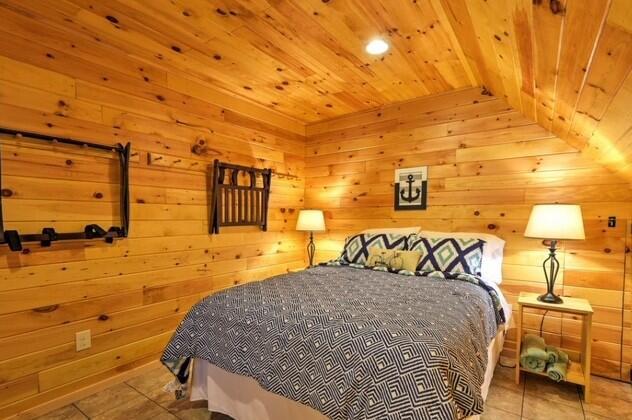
{"x":612,"y":221}
{"x":83,"y":340}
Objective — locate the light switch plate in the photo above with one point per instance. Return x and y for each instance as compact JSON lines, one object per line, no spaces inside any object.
{"x":83,"y":340}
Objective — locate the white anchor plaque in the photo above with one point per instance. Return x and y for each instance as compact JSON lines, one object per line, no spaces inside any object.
{"x":411,"y":188}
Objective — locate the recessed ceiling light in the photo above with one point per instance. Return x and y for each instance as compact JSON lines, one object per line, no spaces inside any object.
{"x":377,"y":46}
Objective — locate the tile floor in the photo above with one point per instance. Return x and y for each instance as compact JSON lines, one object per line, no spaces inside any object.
{"x":536,"y":398}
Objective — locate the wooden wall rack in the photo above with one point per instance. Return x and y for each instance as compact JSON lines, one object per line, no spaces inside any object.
{"x":239,"y":205}
{"x":92,"y":231}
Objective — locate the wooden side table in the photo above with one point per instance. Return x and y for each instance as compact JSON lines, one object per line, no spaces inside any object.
{"x":578,"y":373}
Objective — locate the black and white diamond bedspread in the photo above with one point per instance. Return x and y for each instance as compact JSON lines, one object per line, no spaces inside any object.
{"x":351,"y":343}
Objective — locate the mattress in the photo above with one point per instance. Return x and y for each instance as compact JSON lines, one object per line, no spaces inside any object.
{"x":242,"y":398}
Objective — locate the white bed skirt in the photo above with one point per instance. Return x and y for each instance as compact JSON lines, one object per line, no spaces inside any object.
{"x":242,"y":398}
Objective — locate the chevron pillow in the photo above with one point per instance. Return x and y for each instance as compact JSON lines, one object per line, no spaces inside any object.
{"x":456,"y":255}
{"x":357,"y":247}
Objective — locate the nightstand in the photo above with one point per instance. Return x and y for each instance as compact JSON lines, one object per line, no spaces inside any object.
{"x":578,"y":372}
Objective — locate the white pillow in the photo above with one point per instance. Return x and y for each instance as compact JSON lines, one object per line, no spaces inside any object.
{"x":400,"y":231}
{"x":492,"y":265}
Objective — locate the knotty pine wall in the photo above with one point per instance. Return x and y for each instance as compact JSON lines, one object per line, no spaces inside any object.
{"x":626,"y":353}
{"x":131,"y":294}
{"x":487,"y":166}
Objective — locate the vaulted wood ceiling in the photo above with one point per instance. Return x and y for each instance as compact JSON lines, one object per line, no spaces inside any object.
{"x":568,"y":69}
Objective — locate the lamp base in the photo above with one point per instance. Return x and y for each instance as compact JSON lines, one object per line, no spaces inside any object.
{"x":550,"y":298}
{"x":311,"y":250}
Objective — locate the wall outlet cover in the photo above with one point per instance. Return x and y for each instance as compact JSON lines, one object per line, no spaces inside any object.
{"x":83,"y":340}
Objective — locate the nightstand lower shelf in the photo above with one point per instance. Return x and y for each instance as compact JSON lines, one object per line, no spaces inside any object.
{"x":574,"y":375}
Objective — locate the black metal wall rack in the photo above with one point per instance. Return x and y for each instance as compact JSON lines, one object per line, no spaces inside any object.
{"x":92,"y":231}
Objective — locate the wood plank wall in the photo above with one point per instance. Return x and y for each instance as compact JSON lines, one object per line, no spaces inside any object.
{"x":487,"y":166}
{"x":626,"y":353}
{"x":131,"y":294}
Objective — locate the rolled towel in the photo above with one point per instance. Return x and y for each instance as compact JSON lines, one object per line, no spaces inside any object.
{"x":552,"y":353}
{"x":533,"y":355}
{"x":557,"y":370}
{"x":563,"y":357}
{"x":532,"y":363}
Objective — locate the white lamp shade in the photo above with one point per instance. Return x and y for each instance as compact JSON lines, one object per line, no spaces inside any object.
{"x":311,"y":221}
{"x":555,"y":221}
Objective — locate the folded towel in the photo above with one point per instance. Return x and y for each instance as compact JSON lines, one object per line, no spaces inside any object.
{"x":533,"y":355}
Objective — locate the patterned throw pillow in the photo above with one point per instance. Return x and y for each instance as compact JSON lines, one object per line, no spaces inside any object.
{"x":456,"y":255}
{"x":357,"y":247}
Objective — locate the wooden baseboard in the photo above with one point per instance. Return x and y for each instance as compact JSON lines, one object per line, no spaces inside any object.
{"x":78,"y":394}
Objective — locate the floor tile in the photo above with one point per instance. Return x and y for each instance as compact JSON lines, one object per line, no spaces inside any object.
{"x":616,"y":389}
{"x":504,"y":399}
{"x":186,"y":409}
{"x":562,"y":393}
{"x":151,"y":383}
{"x":220,"y":416}
{"x":541,"y":409}
{"x":139,"y":408}
{"x":201,"y":413}
{"x":535,"y":398}
{"x":105,"y":400}
{"x":506,"y":378}
{"x":608,"y":406}
{"x":69,"y":412}
{"x":591,"y":416}
{"x":492,"y":413}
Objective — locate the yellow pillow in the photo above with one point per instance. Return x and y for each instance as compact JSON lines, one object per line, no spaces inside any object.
{"x":394,"y":259}
{"x":379,"y":257}
{"x":405,"y":260}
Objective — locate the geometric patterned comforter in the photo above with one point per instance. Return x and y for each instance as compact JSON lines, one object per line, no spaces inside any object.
{"x":350,"y":343}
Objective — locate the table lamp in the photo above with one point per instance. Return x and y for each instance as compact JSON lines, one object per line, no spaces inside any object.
{"x":311,"y":221}
{"x":554,"y":222}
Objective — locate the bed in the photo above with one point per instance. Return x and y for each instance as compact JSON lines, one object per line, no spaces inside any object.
{"x":344,"y":342}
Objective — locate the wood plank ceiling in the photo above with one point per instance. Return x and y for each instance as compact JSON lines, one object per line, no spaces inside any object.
{"x":565,"y":64}
{"x":568,"y":69}
{"x":304,"y":58}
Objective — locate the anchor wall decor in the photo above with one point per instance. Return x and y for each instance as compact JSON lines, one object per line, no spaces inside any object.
{"x":411,"y":188}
